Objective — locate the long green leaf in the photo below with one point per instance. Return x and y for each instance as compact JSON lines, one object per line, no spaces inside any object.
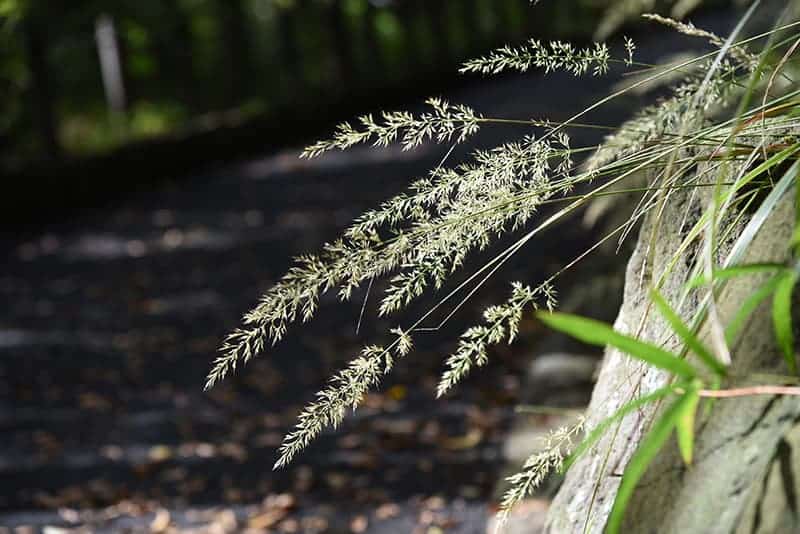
{"x":795,"y":243}
{"x":627,"y":408}
{"x":684,"y":427}
{"x":766,"y":209}
{"x":687,"y":335}
{"x":782,"y":317}
{"x":598,"y":333}
{"x":756,"y":221}
{"x":638,"y":463}
{"x":731,"y":272}
{"x":748,"y":307}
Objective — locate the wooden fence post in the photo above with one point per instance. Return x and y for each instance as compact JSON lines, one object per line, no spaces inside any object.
{"x":110,"y":64}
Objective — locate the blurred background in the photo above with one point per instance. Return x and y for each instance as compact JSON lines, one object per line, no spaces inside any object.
{"x":84,"y":77}
{"x":152,"y":191}
{"x":91,"y":79}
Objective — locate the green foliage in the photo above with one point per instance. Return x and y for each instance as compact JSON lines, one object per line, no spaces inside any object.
{"x":600,"y":334}
{"x":747,"y":308}
{"x":681,"y":414}
{"x":601,"y":428}
{"x":686,"y":335}
{"x":782,"y":317}
{"x":684,"y":425}
{"x":733,"y":272}
{"x":647,"y":450}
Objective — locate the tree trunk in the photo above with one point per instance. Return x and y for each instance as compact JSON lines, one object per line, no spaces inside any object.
{"x":42,"y":89}
{"x":747,"y":452}
{"x":237,"y":62}
{"x":341,"y":45}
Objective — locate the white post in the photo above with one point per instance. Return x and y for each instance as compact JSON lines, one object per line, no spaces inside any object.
{"x":110,"y":63}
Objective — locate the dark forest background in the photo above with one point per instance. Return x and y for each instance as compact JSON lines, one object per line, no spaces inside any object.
{"x":232,"y":76}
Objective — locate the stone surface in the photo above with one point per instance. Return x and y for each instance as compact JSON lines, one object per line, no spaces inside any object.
{"x":526,"y":518}
{"x":741,"y":452}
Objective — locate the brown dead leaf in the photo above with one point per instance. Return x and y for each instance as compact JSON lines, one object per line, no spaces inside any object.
{"x":359,"y":524}
{"x":161,"y":521}
{"x":159,"y":453}
{"x":469,"y":440}
{"x":268,"y":519}
{"x":387,"y":511}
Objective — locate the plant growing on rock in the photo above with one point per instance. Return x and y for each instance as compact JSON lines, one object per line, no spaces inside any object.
{"x":728,"y":126}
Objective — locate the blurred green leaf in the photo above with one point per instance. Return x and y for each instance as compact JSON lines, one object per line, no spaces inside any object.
{"x":627,"y":408}
{"x":641,"y":459}
{"x":685,"y":424}
{"x":782,"y":317}
{"x":748,"y":307}
{"x":731,"y":272}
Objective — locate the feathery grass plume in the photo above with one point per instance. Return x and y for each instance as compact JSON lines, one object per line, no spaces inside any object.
{"x":659,"y":121}
{"x":630,"y":48}
{"x":427,"y":234}
{"x":502,"y":322}
{"x":555,"y":55}
{"x":737,"y":53}
{"x":445,"y":123}
{"x":654,"y":122}
{"x":420,"y":237}
{"x":556,"y":446}
{"x":345,"y":390}
{"x":497,"y":193}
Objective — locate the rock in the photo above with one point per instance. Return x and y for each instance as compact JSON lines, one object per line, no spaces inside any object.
{"x":732,"y":485}
{"x":527,"y":435}
{"x":527,"y":517}
{"x":560,"y":369}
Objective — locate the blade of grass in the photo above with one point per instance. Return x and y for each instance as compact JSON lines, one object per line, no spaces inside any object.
{"x":641,"y":459}
{"x":684,"y":427}
{"x":600,"y":334}
{"x":748,"y":307}
{"x":782,"y":317}
{"x":732,"y":272}
{"x":600,"y":429}
{"x":686,"y":335}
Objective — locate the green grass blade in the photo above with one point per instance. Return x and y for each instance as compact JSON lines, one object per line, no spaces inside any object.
{"x":687,"y":335}
{"x":598,"y":333}
{"x":766,"y":208}
{"x":647,"y":450}
{"x":796,"y":236}
{"x":732,"y":272}
{"x":782,"y":317}
{"x":795,"y":243}
{"x":598,"y":431}
{"x":756,"y":221}
{"x":684,"y":427}
{"x":749,"y":306}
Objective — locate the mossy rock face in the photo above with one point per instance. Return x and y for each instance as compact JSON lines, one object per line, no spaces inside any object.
{"x":745,"y":474}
